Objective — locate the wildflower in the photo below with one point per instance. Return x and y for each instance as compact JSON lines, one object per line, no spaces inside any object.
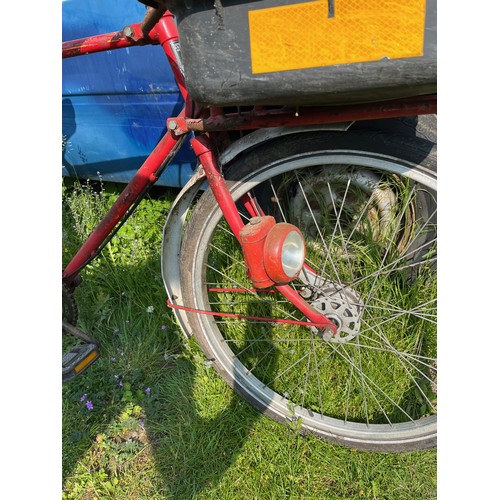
{"x":83,"y":398}
{"x":89,"y":405}
{"x":163,"y":327}
{"x":150,"y":309}
{"x":147,"y":390}
{"x":113,"y":359}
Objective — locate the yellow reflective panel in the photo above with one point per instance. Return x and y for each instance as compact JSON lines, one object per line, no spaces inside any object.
{"x":85,"y":362}
{"x":303,"y":36}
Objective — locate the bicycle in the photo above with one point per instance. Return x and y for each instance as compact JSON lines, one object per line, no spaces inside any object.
{"x":308,"y":270}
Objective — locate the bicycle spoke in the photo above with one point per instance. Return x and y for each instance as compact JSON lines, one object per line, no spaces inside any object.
{"x":386,"y":253}
{"x":362,"y":376}
{"x":369,"y":224}
{"x":377,"y":387}
{"x":327,"y":255}
{"x":400,"y":357}
{"x":397,"y":312}
{"x":277,"y":200}
{"x":337,"y":226}
{"x":315,"y":368}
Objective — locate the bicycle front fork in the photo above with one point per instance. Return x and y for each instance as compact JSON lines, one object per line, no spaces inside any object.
{"x":263,"y":241}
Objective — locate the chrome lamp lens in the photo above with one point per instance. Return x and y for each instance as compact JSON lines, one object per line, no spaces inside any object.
{"x":293,"y":254}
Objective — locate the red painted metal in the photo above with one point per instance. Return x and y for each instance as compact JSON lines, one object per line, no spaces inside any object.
{"x":127,"y":37}
{"x":253,"y":238}
{"x":273,"y":252}
{"x":251,"y":205}
{"x":262,"y":242}
{"x":203,"y":149}
{"x":250,"y":318}
{"x":240,"y":290}
{"x":147,"y":174}
{"x":291,"y":116}
{"x":303,"y":306}
{"x":316,"y":318}
{"x":165,"y":33}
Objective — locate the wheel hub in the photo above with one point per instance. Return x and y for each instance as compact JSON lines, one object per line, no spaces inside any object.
{"x":343,"y":306}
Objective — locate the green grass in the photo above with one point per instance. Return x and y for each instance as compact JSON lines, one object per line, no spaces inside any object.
{"x":163,"y":423}
{"x":297,"y":363}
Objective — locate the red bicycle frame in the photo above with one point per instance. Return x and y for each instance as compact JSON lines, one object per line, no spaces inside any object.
{"x":205,"y":123}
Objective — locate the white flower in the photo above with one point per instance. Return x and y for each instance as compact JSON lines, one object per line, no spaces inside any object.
{"x":150,"y":309}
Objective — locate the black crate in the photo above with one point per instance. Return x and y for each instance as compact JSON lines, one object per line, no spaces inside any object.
{"x":307,"y":52}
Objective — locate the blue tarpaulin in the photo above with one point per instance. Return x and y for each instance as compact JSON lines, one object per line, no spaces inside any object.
{"x":115,"y":103}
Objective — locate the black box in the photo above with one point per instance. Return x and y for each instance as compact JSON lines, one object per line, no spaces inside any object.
{"x":313,"y":52}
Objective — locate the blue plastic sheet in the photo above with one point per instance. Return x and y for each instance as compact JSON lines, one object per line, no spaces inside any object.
{"x":115,"y":103}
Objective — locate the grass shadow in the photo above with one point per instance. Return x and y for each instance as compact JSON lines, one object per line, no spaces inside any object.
{"x":150,"y":419}
{"x":159,"y":410}
{"x":164,"y":425}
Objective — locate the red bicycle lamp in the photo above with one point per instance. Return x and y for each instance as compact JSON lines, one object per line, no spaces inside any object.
{"x":274,"y":252}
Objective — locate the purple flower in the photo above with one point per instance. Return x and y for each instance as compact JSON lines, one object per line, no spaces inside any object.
{"x":163,"y":327}
{"x":83,"y":398}
{"x":113,"y":359}
{"x":89,"y":405}
{"x":147,"y":390}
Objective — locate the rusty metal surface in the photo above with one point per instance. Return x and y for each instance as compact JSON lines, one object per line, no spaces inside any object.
{"x":291,"y":116}
{"x":127,"y":37}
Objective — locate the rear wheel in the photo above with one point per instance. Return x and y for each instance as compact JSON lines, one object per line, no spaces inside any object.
{"x":366,"y":205}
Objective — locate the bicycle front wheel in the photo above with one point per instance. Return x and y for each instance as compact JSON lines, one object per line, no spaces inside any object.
{"x":366,"y":205}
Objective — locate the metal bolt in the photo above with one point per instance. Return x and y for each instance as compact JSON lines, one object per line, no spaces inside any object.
{"x":306,"y":293}
{"x":328,"y":333}
{"x":172,"y":125}
{"x":128,"y":32}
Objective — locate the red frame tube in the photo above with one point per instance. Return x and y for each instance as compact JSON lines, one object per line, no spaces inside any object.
{"x":164,"y":33}
{"x":144,"y":177}
{"x":99,"y":43}
{"x":293,"y":117}
{"x":305,"y":307}
{"x":204,"y":150}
